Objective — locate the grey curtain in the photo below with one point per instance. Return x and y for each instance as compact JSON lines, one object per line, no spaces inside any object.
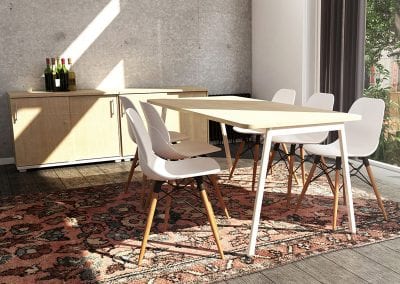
{"x":342,"y":50}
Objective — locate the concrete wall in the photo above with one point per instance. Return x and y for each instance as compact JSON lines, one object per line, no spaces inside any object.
{"x":283,"y":46}
{"x":125,"y":43}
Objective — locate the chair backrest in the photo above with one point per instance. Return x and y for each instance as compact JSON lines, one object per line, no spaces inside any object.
{"x":152,"y":165}
{"x":284,"y":96}
{"x":321,"y":100}
{"x":159,"y":134}
{"x":364,"y":134}
{"x":126,"y":103}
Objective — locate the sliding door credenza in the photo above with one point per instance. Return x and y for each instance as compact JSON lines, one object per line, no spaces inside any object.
{"x":62,"y":128}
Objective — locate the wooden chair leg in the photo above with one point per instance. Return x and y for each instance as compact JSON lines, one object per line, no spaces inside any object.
{"x":143,"y":200}
{"x":290,"y":176}
{"x":325,"y":169}
{"x":150,"y":216}
{"x":339,"y":166}
{"x":272,"y":156}
{"x":167,"y":210}
{"x":374,"y":187}
{"x":237,"y":157}
{"x":135,"y":163}
{"x":285,"y":150}
{"x":344,"y":191}
{"x":221,"y":201}
{"x":287,"y":153}
{"x":336,"y":194}
{"x":210,"y":215}
{"x":302,"y":166}
{"x":255,"y":162}
{"x":308,"y":181}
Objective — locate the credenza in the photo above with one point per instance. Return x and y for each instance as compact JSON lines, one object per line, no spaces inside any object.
{"x":83,"y":126}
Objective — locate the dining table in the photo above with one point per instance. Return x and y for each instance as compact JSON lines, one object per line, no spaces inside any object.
{"x":272,"y":119}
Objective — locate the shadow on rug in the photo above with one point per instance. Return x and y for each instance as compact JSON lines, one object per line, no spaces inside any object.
{"x":93,"y":234}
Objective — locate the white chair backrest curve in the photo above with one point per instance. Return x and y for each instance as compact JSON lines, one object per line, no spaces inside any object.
{"x":321,"y":100}
{"x":126,"y":103}
{"x":159,"y":133}
{"x":152,"y":166}
{"x":364,"y":134}
{"x":284,"y":96}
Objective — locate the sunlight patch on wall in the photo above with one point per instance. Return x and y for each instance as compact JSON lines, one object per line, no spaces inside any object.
{"x":115,"y":78}
{"x":93,"y":31}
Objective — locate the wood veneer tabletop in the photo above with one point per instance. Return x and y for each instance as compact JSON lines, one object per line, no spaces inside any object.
{"x":254,"y":113}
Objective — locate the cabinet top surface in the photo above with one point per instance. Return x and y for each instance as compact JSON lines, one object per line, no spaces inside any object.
{"x":93,"y":92}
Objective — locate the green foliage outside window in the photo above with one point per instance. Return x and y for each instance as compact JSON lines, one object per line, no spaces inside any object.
{"x":383,"y":35}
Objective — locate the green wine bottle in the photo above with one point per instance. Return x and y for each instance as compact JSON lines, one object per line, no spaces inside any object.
{"x":57,"y":80}
{"x":63,"y":76}
{"x":54,"y":72}
{"x":48,"y":76}
{"x":71,"y":77}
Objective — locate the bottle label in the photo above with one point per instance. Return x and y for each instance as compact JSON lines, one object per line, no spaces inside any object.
{"x":58,"y":82}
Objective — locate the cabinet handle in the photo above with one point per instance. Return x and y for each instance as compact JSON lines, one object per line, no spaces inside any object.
{"x":122,"y":109}
{"x":112,"y":109}
{"x":15,"y":112}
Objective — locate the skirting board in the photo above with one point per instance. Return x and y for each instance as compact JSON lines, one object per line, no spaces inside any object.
{"x":385,"y":166}
{"x":7,"y":161}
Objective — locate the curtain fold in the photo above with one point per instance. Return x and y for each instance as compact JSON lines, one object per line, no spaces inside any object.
{"x":342,"y":50}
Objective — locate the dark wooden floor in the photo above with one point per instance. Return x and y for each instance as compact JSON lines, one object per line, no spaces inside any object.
{"x":378,"y":263}
{"x":52,"y":179}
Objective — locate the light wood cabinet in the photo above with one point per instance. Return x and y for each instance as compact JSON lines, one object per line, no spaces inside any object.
{"x":62,"y":128}
{"x":94,"y":127}
{"x":41,"y":130}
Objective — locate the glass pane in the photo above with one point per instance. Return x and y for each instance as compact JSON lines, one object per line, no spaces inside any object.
{"x":382,"y":61}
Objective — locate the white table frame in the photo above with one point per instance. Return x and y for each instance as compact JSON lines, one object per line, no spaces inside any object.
{"x":268,"y":135}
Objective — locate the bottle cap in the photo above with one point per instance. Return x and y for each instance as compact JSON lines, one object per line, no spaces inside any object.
{"x":62,"y":61}
{"x":53,"y":60}
{"x":69,"y":60}
{"x":47,"y":61}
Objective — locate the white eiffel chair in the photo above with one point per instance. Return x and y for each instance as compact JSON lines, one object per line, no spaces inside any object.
{"x":362,"y":139}
{"x":174,"y":136}
{"x":323,"y":101}
{"x":163,"y":147}
{"x":161,"y":170}
{"x":284,"y":96}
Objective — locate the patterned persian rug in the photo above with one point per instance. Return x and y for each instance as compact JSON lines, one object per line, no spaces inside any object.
{"x":92,"y":235}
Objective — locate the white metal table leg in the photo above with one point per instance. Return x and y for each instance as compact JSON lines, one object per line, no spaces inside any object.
{"x":347,"y":182}
{"x":260,"y":193}
{"x":226,"y":146}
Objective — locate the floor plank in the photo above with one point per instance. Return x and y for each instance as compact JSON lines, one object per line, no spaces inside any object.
{"x":327,"y":271}
{"x":254,"y":278}
{"x":48,"y":180}
{"x":289,"y":274}
{"x":392,"y":244}
{"x":114,"y":171}
{"x":363,"y":267}
{"x":71,"y":177}
{"x":383,"y":255}
{"x":94,"y":175}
